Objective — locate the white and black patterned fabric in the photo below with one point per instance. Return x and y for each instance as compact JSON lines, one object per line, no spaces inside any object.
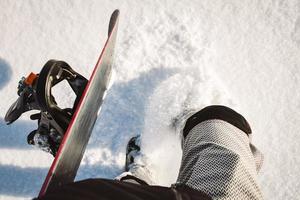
{"x":219,"y":160}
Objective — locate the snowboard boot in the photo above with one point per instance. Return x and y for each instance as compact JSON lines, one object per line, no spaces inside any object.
{"x":132,"y":150}
{"x":136,"y":170}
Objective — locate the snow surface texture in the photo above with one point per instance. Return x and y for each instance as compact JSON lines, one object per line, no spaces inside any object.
{"x":170,"y":56}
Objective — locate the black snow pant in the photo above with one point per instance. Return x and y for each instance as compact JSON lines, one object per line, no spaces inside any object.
{"x":102,"y":189}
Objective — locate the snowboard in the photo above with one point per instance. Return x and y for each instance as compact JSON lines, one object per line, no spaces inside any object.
{"x":70,"y":152}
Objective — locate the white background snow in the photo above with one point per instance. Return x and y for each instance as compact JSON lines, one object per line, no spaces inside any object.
{"x":170,"y":55}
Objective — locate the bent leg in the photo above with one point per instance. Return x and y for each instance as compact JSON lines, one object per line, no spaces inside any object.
{"x":218,"y":157}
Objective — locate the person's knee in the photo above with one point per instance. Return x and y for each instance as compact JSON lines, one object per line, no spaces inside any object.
{"x":217,"y":112}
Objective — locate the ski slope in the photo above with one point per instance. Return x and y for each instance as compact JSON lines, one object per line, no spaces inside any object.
{"x":171,"y":55}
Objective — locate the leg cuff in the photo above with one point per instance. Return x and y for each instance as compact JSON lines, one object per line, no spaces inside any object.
{"x":217,"y":112}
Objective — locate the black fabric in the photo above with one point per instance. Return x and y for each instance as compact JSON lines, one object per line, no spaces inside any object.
{"x":217,"y":112}
{"x":102,"y":189}
{"x":129,"y":177}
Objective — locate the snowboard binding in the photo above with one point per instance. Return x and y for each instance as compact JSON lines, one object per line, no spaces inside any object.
{"x":35,"y":94}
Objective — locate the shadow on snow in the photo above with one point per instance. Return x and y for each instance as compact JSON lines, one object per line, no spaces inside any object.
{"x":17,"y":181}
{"x":123,"y":110}
{"x":15,"y":135}
{"x":122,"y":115}
{"x":5,"y":73}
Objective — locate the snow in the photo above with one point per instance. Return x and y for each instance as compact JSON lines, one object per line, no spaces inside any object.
{"x":171,"y":55}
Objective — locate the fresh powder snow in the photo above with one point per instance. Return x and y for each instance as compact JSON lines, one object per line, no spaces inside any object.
{"x":170,"y":56}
